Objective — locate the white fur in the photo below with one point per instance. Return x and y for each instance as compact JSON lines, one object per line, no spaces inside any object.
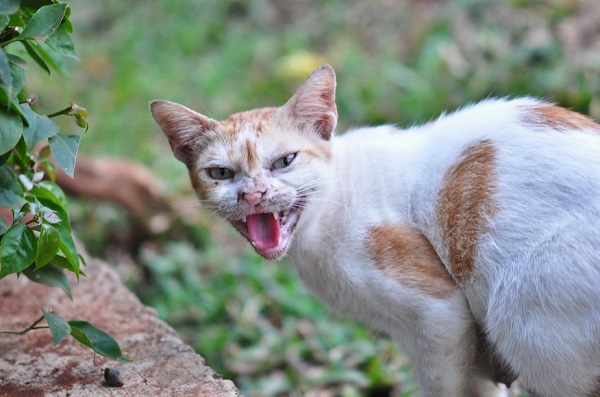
{"x":536,"y":284}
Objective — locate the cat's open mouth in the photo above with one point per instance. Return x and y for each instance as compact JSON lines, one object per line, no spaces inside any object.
{"x":269,"y":232}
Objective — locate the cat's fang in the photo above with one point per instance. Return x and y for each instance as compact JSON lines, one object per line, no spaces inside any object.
{"x":284,"y":216}
{"x":276,"y":215}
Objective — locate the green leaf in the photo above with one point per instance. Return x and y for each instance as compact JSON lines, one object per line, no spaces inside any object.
{"x":64,"y":148}
{"x":11,"y":127}
{"x":59,"y":328}
{"x":40,"y":126}
{"x":52,"y":58}
{"x":9,"y":7}
{"x":17,"y":20}
{"x":96,"y":339}
{"x":47,"y":245}
{"x":17,"y":61}
{"x":4,"y":20}
{"x":51,"y":276}
{"x":4,"y":226}
{"x":11,"y":192}
{"x":12,"y":104}
{"x":66,"y":21}
{"x":60,"y":261}
{"x":68,"y":248}
{"x":31,"y":50}
{"x":35,"y":3}
{"x":18,"y":250}
{"x":63,"y":263}
{"x":51,"y":191}
{"x":72,"y":259}
{"x":62,"y":42}
{"x":17,"y":74}
{"x":44,"y":22}
{"x":51,"y":196}
{"x":4,"y":157}
{"x":30,"y":208}
{"x":22,"y":158}
{"x":5,"y":73}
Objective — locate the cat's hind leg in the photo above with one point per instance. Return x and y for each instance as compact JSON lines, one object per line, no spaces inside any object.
{"x":545,"y":323}
{"x":488,"y":378}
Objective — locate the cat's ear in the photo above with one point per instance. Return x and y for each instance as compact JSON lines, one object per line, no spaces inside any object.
{"x":183,"y":127}
{"x":313,"y":104}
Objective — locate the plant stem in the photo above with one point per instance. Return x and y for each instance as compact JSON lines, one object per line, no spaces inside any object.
{"x":61,"y":112}
{"x":24,"y":331}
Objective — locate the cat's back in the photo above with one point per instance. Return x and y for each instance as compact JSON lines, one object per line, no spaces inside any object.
{"x":506,"y":178}
{"x":516,"y":126}
{"x":513,"y":125}
{"x":527,"y":150}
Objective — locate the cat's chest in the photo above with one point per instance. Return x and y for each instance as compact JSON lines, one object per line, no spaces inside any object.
{"x":335,"y":259}
{"x":326,"y":255}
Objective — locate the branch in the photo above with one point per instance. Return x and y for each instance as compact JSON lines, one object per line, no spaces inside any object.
{"x":24,"y":331}
{"x":61,"y":112}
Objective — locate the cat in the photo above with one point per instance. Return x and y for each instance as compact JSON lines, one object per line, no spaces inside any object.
{"x":472,"y":240}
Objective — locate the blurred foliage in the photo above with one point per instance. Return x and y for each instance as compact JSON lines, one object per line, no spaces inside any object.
{"x":252,"y":322}
{"x":397,"y":61}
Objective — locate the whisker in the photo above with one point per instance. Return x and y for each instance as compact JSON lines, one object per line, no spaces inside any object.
{"x":310,"y":184}
{"x":212,"y":226}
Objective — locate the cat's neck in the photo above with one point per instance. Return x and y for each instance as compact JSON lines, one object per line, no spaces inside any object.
{"x":364,"y":190}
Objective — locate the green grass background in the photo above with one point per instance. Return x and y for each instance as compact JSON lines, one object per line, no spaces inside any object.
{"x":397,"y":61}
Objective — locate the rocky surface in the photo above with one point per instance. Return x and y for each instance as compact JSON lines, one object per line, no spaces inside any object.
{"x":30,"y":366}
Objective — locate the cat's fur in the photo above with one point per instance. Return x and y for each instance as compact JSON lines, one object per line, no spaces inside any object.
{"x":473,"y":240}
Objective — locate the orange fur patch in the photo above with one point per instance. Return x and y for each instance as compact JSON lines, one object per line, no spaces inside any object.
{"x":465,"y":205}
{"x":256,"y":118}
{"x":558,"y":118}
{"x":200,"y":187}
{"x":252,"y":158}
{"x":404,"y":254}
{"x":319,"y":150}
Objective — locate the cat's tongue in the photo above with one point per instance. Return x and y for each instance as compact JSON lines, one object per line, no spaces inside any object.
{"x":263,"y":230}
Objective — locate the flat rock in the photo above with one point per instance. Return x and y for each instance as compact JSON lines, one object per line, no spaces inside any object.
{"x":162,"y":364}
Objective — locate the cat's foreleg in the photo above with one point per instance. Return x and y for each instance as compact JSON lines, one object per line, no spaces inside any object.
{"x":442,"y":345}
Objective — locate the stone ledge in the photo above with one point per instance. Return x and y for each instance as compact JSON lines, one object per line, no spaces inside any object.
{"x":29,"y":365}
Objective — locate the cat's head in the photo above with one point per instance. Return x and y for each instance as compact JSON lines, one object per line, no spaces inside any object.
{"x":263,"y":169}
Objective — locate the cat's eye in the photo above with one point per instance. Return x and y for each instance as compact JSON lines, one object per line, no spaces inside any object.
{"x":220,"y":173}
{"x":284,"y":161}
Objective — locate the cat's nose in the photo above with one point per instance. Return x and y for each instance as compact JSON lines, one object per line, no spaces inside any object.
{"x":254,"y":198}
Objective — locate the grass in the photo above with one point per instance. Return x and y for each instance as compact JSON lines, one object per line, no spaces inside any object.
{"x":397,"y":62}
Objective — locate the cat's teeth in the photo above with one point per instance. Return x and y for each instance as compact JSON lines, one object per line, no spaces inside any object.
{"x":284,"y":216}
{"x":244,"y":219}
{"x":276,"y":215}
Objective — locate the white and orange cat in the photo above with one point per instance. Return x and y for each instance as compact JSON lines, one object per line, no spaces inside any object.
{"x":473,"y":240}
